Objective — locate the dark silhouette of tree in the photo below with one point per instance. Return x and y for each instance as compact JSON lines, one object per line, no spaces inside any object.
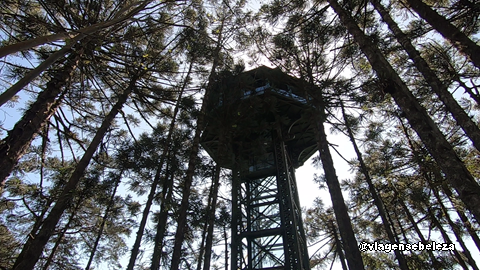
{"x":456,"y":37}
{"x":456,"y":172}
{"x":34,"y":246}
{"x":463,"y":120}
{"x":119,"y":97}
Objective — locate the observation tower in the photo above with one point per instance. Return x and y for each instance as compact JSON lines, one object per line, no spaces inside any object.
{"x":258,"y":126}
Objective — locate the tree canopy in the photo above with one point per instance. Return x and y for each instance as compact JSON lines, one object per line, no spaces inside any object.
{"x":103,"y":105}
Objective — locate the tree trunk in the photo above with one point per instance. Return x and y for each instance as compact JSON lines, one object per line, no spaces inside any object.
{"x":146,"y":210}
{"x":158,"y":246}
{"x":414,"y":224}
{"x":471,"y":231}
{"x":34,"y":246}
{"x":377,"y":200}
{"x":394,"y":229}
{"x":444,"y":154}
{"x":338,"y":244}
{"x":463,"y":218}
{"x":467,"y":89}
{"x":89,"y":30}
{"x":350,"y":245}
{"x":458,"y":39}
{"x":79,"y":35}
{"x":166,"y":202}
{"x":62,"y":234}
{"x":39,"y":218}
{"x":201,"y":250}
{"x":182,"y":216}
{"x":30,"y":76}
{"x":211,"y":218}
{"x":226,"y":246}
{"x":454,"y":227}
{"x":462,"y":118}
{"x":28,"y":44}
{"x":434,"y":187}
{"x":111,"y":203}
{"x":446,"y":239}
{"x":19,"y":138}
{"x":400,"y":225}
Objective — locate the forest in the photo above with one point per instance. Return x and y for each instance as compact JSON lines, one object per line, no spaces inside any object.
{"x":103,"y":105}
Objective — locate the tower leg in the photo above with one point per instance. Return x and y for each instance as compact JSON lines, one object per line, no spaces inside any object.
{"x":267,"y":230}
{"x":296,"y":254}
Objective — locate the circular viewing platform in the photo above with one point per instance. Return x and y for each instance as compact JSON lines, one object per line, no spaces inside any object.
{"x":244,"y":111}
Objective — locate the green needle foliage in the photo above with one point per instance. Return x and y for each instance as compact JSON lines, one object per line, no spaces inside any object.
{"x":104,"y":103}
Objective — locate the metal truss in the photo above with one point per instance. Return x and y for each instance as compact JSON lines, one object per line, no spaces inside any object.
{"x":267,"y":230}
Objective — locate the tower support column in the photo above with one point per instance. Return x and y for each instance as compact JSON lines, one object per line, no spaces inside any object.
{"x":267,"y":230}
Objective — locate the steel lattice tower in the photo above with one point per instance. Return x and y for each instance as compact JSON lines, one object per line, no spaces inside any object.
{"x":258,"y":126}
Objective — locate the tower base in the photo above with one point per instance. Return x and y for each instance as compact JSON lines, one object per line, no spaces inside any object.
{"x":267,"y":230}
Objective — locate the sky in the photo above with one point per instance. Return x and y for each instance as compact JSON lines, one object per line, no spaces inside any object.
{"x":307,"y":188}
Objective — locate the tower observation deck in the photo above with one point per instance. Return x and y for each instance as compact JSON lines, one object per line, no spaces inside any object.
{"x":258,"y":126}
